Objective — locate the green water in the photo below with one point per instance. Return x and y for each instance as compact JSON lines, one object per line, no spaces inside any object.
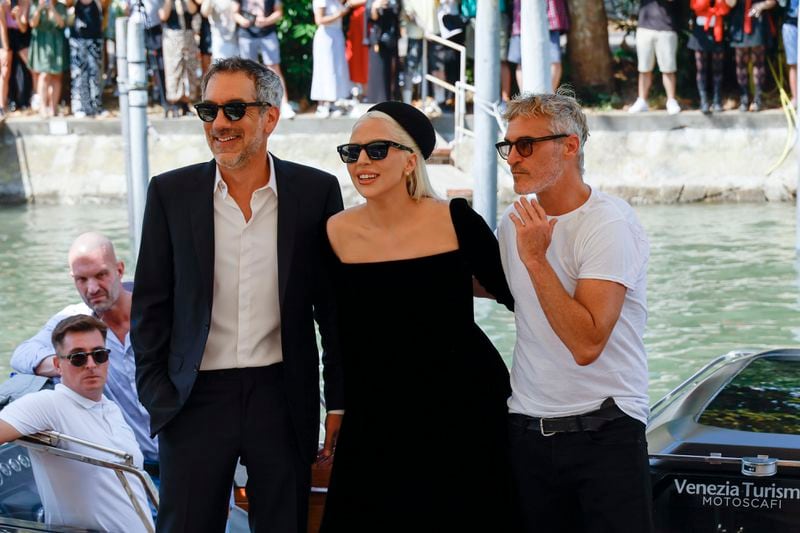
{"x":721,"y":277}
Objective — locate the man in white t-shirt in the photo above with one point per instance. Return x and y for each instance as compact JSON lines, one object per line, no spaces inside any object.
{"x":576,"y":261}
{"x":74,"y":493}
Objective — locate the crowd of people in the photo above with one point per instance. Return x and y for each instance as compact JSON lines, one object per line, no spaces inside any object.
{"x":242,"y":254}
{"x":363,"y":50}
{"x":747,"y":29}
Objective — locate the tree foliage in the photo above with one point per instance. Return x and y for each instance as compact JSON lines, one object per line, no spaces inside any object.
{"x":296,"y":33}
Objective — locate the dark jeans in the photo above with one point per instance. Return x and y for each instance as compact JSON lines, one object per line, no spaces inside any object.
{"x":230,"y":414}
{"x":584,"y":481}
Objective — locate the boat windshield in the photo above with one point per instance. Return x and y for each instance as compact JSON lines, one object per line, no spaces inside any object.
{"x":763,"y":398}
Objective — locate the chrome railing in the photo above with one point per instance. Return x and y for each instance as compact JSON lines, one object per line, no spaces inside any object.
{"x":46,"y":441}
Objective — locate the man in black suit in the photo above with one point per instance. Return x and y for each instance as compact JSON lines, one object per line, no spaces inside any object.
{"x":230,"y":276}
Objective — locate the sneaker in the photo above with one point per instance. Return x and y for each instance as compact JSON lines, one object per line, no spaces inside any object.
{"x":337,"y":112}
{"x":432,"y":109}
{"x":639,"y":106}
{"x":103,"y":113}
{"x":79,"y":114}
{"x":673,"y":107}
{"x":287,"y":112}
{"x":323,"y":111}
{"x":36,"y":102}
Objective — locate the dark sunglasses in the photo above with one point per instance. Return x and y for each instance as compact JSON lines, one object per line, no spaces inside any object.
{"x":100,"y":356}
{"x":232,"y":110}
{"x":524,"y":145}
{"x":376,"y":150}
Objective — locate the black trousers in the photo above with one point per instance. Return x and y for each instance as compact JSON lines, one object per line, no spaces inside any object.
{"x":231,"y":414}
{"x":585,"y":481}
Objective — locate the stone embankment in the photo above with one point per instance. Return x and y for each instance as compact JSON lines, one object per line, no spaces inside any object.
{"x":650,"y":158}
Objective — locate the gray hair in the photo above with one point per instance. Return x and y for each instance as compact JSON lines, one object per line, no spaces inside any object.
{"x":419,"y":184}
{"x":268,"y":85}
{"x":563,"y":110}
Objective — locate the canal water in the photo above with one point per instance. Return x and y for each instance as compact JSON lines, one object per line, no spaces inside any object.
{"x":721,"y":278}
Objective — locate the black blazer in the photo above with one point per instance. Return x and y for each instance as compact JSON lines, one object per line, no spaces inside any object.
{"x":172,"y":298}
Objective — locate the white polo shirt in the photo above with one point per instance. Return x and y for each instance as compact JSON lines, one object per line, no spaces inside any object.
{"x":74,"y":493}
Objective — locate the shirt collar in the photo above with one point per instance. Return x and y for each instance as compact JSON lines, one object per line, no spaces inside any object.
{"x":83,"y":401}
{"x":222,"y":187}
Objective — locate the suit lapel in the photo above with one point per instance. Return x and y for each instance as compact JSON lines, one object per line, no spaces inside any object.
{"x":201,"y":205}
{"x":288,"y":209}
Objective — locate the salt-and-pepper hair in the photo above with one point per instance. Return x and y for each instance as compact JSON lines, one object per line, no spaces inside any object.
{"x":563,"y":110}
{"x":418,"y":184}
{"x":267,"y":83}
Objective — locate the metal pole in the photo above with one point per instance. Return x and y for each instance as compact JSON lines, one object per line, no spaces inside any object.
{"x":534,"y":45}
{"x":487,"y":91}
{"x":121,"y":44}
{"x":137,"y":98}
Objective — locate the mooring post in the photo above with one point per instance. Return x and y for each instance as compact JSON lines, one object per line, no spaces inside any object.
{"x":534,"y":45}
{"x":121,"y":45}
{"x":487,"y":92}
{"x":137,"y":99}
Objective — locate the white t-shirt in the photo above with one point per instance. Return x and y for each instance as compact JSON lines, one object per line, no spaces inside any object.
{"x":74,"y":493}
{"x":604,"y":240}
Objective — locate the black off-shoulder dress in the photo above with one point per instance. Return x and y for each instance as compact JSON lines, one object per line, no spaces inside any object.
{"x":423,"y":440}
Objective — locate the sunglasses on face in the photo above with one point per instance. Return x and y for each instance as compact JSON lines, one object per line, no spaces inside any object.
{"x":232,"y":110}
{"x":524,"y":145}
{"x":100,"y":356}
{"x":376,"y":150}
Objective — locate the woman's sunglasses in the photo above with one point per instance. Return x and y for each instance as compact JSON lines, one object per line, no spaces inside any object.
{"x":376,"y":150}
{"x":100,"y":356}
{"x":233,"y":111}
{"x":524,"y":145}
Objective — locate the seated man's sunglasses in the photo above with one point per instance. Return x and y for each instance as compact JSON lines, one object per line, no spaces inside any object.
{"x":100,"y":356}
{"x":524,"y":145}
{"x":376,"y":150}
{"x":232,"y":110}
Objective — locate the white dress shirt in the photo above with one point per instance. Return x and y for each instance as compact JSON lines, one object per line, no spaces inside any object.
{"x":245,"y":316}
{"x":75,"y":493}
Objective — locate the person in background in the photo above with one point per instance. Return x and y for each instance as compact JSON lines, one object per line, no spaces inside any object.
{"x":220,"y":14}
{"x":17,"y":75}
{"x":257,"y":20}
{"x":750,"y":35}
{"x":204,"y":41}
{"x":384,"y":30}
{"x":789,"y":34}
{"x":330,"y":80}
{"x":97,"y":274}
{"x":180,"y":54}
{"x":153,"y":43}
{"x":576,"y":261}
{"x":116,"y":9}
{"x":86,"y":57}
{"x":47,"y":19}
{"x":420,"y":17}
{"x":558,"y":22}
{"x":6,"y":55}
{"x":74,"y":493}
{"x":706,"y":40}
{"x":356,"y":48}
{"x":657,"y":41}
{"x":428,"y":365}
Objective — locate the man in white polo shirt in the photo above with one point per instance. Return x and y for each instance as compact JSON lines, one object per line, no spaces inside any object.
{"x":74,"y":493}
{"x":576,"y":263}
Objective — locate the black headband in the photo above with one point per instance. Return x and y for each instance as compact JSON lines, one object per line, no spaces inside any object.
{"x":413,"y":121}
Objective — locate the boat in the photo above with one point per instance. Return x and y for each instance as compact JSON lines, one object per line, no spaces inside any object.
{"x":724,"y":447}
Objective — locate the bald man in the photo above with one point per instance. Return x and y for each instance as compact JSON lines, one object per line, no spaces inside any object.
{"x":97,"y":274}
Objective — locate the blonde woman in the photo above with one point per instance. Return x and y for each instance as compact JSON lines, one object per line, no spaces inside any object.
{"x":423,"y":436}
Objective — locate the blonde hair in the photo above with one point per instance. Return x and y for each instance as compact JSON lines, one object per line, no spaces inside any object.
{"x":418,"y":183}
{"x":563,"y":110}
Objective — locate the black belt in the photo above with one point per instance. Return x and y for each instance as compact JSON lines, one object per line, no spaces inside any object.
{"x":592,"y":421}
